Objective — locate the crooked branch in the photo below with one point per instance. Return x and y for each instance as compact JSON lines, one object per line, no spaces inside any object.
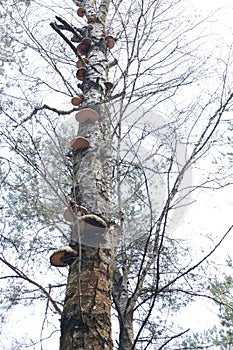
{"x":37,"y":109}
{"x":28,"y":279}
{"x":61,"y":112}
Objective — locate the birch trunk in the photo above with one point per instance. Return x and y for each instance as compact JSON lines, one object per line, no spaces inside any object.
{"x":86,"y":317}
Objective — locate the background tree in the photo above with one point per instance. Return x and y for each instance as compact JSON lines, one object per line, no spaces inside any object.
{"x":157,"y":162}
{"x":219,"y":336}
{"x":10,"y":51}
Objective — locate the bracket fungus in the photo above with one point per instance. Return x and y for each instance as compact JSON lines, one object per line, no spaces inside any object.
{"x":73,"y":211}
{"x":91,"y":18}
{"x":110,"y":41}
{"x":94,"y":220}
{"x":82,"y":49}
{"x":82,"y":62}
{"x":84,"y":46}
{"x":108,"y":85}
{"x":86,"y":114}
{"x":87,"y":41}
{"x":81,"y":11}
{"x":79,"y":143}
{"x":77,"y":100}
{"x":69,"y":215}
{"x":90,"y":26}
{"x":80,"y":73}
{"x":63,"y":257}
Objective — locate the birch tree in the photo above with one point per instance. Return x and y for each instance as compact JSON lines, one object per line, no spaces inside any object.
{"x":105,"y":133}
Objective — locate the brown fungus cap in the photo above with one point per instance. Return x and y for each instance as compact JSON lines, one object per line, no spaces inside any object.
{"x":81,"y":96}
{"x":78,"y":209}
{"x":87,"y":41}
{"x":94,"y":220}
{"x":108,"y":85}
{"x":83,"y":48}
{"x":81,"y":11}
{"x":110,"y":41}
{"x":81,"y":63}
{"x":76,"y":100}
{"x":79,"y":143}
{"x":81,"y":73}
{"x":87,"y":114}
{"x":73,"y":211}
{"x":91,"y":18}
{"x":69,"y":215}
{"x":90,"y":26}
{"x":63,"y":257}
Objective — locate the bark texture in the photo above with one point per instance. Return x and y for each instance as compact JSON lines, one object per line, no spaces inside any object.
{"x":85,"y":322}
{"x":124,"y":309}
{"x":86,"y":317}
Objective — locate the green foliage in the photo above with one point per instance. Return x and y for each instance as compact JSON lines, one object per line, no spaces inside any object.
{"x":222,"y":291}
{"x":220,"y":337}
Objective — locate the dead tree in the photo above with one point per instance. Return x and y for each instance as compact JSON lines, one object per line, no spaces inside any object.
{"x":86,"y":317}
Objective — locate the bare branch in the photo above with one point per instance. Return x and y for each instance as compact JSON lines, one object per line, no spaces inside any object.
{"x":54,"y":26}
{"x":28,"y":279}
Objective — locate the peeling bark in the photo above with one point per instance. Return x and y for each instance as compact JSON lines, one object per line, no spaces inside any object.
{"x":86,"y":318}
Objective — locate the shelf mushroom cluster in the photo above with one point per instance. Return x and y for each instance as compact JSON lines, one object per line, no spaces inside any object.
{"x":86,"y":43}
{"x":88,"y":223}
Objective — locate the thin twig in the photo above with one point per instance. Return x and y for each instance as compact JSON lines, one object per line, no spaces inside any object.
{"x":28,"y":279}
